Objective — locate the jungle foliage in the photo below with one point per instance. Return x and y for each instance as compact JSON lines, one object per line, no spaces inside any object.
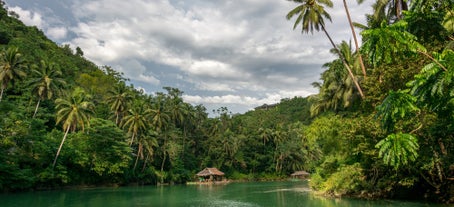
{"x":386,"y":131}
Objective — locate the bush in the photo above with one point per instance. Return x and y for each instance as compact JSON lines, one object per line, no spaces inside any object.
{"x":347,"y":180}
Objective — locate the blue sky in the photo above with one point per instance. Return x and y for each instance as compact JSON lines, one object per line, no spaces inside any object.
{"x":238,"y":54}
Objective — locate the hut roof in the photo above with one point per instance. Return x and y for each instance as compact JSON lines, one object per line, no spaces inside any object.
{"x":300,"y":173}
{"x":210,"y":171}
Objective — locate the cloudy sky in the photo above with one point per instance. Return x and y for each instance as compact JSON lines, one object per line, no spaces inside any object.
{"x":235,"y":53}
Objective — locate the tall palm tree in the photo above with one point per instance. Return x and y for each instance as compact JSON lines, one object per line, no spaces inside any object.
{"x":392,"y":9}
{"x":160,"y":119}
{"x":337,"y":90}
{"x":147,"y":145}
{"x":73,"y":112}
{"x":46,"y":81}
{"x":137,"y":120}
{"x":311,"y":14}
{"x":12,"y":67}
{"x":363,"y":68}
{"x":158,"y":114}
{"x":119,"y":98}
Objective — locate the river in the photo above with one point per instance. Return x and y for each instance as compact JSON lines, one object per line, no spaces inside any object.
{"x":249,"y":194}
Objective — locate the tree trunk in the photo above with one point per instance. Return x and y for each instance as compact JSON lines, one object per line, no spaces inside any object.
{"x":132,"y":139}
{"x":363,"y":68}
{"x":1,"y":94}
{"x":139,"y":152}
{"x":163,"y":158}
{"x":36,"y":109}
{"x":162,"y":167}
{"x":145,"y":163}
{"x":345,"y":63}
{"x":59,"y":148}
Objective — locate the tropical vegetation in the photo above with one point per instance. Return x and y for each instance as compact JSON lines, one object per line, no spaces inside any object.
{"x":381,"y":125}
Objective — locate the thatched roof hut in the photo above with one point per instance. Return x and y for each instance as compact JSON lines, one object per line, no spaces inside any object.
{"x":300,"y":174}
{"x":210,"y":171}
{"x":210,"y":174}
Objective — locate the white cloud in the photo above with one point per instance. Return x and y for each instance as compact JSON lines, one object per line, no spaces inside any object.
{"x":207,"y":86}
{"x":247,"y":101}
{"x":57,"y":33}
{"x":215,"y":69}
{"x":244,"y":51}
{"x":28,"y":17}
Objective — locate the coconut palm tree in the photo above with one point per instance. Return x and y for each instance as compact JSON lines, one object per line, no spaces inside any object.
{"x":119,"y":98}
{"x":363,"y":68}
{"x":145,"y":147}
{"x":337,"y":90}
{"x":160,"y":119}
{"x":73,"y":112}
{"x":392,"y":9}
{"x":137,"y":120}
{"x":158,"y":114}
{"x":12,"y":67}
{"x":46,"y":79}
{"x":311,"y":14}
{"x":148,"y":145}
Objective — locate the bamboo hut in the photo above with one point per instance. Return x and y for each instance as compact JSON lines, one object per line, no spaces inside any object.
{"x":210,"y":174}
{"x":300,"y":174}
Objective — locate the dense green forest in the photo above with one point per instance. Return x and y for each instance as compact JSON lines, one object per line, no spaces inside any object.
{"x":382,"y":124}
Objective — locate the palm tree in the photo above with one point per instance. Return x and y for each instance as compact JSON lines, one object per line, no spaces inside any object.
{"x":45,"y":81}
{"x":119,"y":98}
{"x":159,"y":121}
{"x":175,"y":105}
{"x":266,"y":134}
{"x":392,"y":9}
{"x":158,"y":114}
{"x":337,"y":90}
{"x":311,"y":15}
{"x":148,"y":145}
{"x":137,"y":120}
{"x":12,"y":67}
{"x":363,"y":68}
{"x":73,"y":111}
{"x":145,"y":148}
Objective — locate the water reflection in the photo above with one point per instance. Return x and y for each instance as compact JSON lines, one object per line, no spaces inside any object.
{"x":263,"y":194}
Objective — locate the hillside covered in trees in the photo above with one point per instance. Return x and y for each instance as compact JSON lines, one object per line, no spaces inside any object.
{"x":382,"y":124}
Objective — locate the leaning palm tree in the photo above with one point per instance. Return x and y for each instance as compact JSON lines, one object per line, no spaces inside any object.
{"x":12,"y":67}
{"x":45,"y":81}
{"x":363,"y":68}
{"x":73,"y":112}
{"x":311,"y":15}
{"x":337,"y":90}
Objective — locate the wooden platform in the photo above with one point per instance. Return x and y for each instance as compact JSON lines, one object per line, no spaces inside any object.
{"x":209,"y":183}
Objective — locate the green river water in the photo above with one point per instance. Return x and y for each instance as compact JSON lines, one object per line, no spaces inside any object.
{"x":249,"y":194}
